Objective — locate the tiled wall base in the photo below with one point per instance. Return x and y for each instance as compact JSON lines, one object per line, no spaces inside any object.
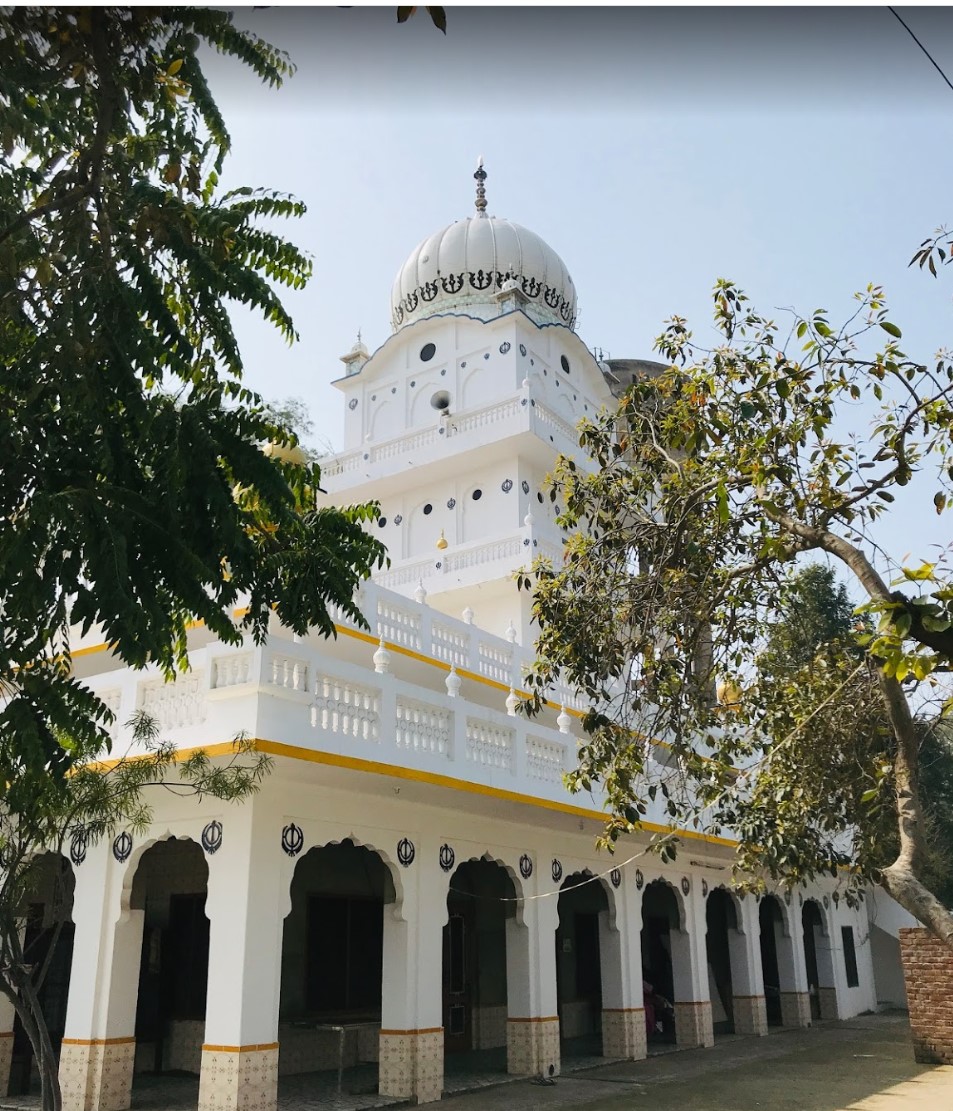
{"x":489,"y":1027}
{"x":239,"y":1078}
{"x":828,"y":998}
{"x":6,"y":1059}
{"x":182,"y":1049}
{"x":96,"y":1075}
{"x":750,"y":1013}
{"x":532,"y":1046}
{"x":623,"y":1034}
{"x":795,"y":1008}
{"x":411,"y":1064}
{"x":308,"y":1050}
{"x":693,"y":1027}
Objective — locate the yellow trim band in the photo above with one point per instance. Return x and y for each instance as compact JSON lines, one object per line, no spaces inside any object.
{"x":239,"y":1048}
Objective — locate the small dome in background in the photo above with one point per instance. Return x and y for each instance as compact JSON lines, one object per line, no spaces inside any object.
{"x":468,"y":265}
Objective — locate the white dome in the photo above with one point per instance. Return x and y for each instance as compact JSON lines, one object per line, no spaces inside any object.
{"x":465,"y":266}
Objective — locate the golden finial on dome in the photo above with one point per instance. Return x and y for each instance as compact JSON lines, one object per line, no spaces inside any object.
{"x":442,"y":542}
{"x":480,"y":177}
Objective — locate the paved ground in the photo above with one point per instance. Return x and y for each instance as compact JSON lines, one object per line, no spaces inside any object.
{"x":865,"y":1064}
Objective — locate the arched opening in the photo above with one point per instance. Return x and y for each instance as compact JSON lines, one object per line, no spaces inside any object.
{"x":582,"y":903}
{"x":720,"y":918}
{"x":819,"y":961}
{"x":660,"y":920}
{"x":169,"y":890}
{"x":332,"y":961}
{"x":480,"y":903}
{"x":48,"y":949}
{"x":771,"y":922}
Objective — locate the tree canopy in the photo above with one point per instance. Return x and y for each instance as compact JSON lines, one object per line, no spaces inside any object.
{"x":135,"y":493}
{"x":707,"y":482}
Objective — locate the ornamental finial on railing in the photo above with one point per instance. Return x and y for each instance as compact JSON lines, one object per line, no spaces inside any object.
{"x":480,"y":177}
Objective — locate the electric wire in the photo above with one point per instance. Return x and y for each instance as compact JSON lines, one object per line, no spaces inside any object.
{"x":932,"y":60}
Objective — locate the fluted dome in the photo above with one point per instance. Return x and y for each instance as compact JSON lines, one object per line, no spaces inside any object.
{"x":468,"y":265}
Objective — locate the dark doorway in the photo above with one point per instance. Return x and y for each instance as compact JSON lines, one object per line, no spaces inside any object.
{"x":579,"y":964}
{"x":659,"y":919}
{"x":811,"y":924}
{"x":720,"y":917}
{"x":332,"y":955}
{"x":481,"y":899}
{"x":170,"y":888}
{"x":770,"y":919}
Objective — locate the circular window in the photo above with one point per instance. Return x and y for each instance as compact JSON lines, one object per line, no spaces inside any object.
{"x":564,"y":363}
{"x":440,"y":401}
{"x":427,"y":352}
{"x":381,"y":522}
{"x":428,"y":509}
{"x":477,"y":494}
{"x":539,"y":498}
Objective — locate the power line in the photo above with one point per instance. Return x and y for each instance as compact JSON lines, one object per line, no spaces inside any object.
{"x":923,"y":48}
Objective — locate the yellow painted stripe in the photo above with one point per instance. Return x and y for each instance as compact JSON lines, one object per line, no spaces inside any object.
{"x":543,"y":1018}
{"x":425,"y":1030}
{"x":630,"y":1010}
{"x":417,"y":775}
{"x":239,"y":1048}
{"x":97,"y":1041}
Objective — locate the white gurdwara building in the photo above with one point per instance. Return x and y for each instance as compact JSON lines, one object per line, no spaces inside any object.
{"x":413,"y":890}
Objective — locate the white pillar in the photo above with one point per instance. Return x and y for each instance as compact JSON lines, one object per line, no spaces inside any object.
{"x":411,"y":1040}
{"x":620,"y":956}
{"x":532,"y":1019}
{"x":99,"y":1046}
{"x":245,"y":906}
{"x":693,"y":1020}
{"x":747,"y":975}
{"x":792,"y":970}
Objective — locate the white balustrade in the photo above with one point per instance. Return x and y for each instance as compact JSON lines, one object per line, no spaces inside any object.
{"x":288,"y":672}
{"x":112,"y":699}
{"x":510,"y":548}
{"x":398,"y":624}
{"x":548,"y":418}
{"x":345,"y":708}
{"x":450,"y":645}
{"x":231,"y":671}
{"x":462,"y":423}
{"x":489,"y":744}
{"x":545,"y":760}
{"x":175,"y":704}
{"x":423,"y":728}
{"x":495,"y":661}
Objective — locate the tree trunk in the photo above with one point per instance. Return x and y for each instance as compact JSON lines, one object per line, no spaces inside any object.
{"x":22,"y":995}
{"x":900,"y":878}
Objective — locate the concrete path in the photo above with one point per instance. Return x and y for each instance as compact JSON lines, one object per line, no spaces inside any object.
{"x":865,"y":1064}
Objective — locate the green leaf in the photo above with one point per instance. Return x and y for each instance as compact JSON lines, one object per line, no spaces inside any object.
{"x":891,"y":329}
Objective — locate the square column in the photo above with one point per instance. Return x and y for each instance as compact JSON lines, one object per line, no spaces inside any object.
{"x":624,"y":1033}
{"x":246,"y":900}
{"x":532,"y":1018}
{"x":693,"y":1019}
{"x":411,"y":1038}
{"x":747,"y":975}
{"x":99,"y":1045}
{"x":792,"y":969}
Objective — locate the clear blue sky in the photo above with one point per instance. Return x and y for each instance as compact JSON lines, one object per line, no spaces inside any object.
{"x":801,"y":152}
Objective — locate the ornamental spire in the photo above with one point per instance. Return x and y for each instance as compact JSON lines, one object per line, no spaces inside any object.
{"x":480,"y":177}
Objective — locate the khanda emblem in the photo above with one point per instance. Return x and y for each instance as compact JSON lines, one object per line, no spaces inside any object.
{"x":429,"y":290}
{"x":565,"y":311}
{"x":452,"y":283}
{"x":532,"y":287}
{"x":412,"y":301}
{"x":551,"y":296}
